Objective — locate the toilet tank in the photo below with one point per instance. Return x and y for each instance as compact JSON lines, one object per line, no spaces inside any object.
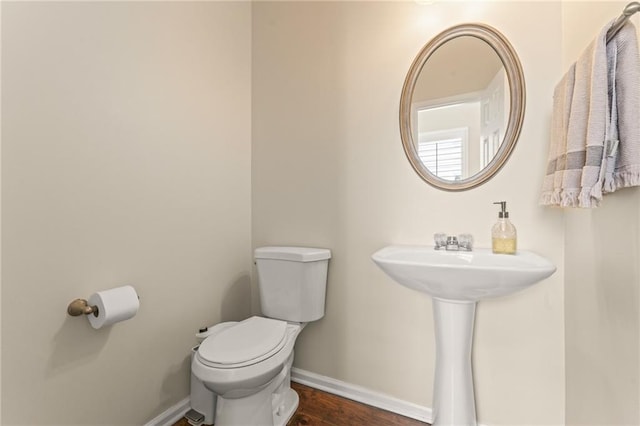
{"x":292,"y":282}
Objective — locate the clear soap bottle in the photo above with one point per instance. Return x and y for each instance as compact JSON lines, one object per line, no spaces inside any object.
{"x":503,"y":234}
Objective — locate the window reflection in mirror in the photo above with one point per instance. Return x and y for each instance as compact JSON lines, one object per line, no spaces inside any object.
{"x":460,"y":108}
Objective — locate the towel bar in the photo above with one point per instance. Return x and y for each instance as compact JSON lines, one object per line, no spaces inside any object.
{"x":629,"y":10}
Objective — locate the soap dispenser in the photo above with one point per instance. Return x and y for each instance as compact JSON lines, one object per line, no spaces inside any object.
{"x":503,"y":233}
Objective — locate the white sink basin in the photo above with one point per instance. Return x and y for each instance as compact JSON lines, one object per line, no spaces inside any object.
{"x":456,"y":281}
{"x":462,"y":275}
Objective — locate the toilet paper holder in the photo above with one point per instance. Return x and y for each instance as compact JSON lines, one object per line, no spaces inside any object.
{"x":79,"y":307}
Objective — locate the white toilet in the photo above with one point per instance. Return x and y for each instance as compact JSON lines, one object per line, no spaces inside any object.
{"x":247,"y":364}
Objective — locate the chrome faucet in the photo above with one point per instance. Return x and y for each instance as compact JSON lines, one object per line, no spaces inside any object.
{"x":463,"y":242}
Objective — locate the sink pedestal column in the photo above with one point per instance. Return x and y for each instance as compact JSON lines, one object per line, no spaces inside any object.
{"x":453,"y":400}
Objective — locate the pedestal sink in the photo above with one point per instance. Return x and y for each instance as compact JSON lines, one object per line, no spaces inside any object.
{"x":456,"y":281}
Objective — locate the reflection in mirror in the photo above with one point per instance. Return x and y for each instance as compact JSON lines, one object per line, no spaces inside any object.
{"x":462,"y":107}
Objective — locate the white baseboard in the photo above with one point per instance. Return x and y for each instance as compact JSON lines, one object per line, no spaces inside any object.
{"x":171,"y":415}
{"x":327,"y":384}
{"x":363,"y":395}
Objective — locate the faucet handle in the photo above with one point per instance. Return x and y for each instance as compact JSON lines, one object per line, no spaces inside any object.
{"x":465,"y":241}
{"x":440,"y":240}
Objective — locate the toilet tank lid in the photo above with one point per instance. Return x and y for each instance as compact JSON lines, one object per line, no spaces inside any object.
{"x":296,"y":254}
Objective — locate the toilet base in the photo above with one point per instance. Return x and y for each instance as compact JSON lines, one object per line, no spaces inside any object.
{"x":283,"y":413}
{"x":273,"y":405}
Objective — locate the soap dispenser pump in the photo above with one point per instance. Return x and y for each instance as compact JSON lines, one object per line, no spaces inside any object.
{"x":503,"y":233}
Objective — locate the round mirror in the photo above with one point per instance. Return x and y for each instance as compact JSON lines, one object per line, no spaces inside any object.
{"x":462,"y":107}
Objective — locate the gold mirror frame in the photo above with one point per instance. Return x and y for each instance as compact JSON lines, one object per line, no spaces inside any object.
{"x":515,"y":76}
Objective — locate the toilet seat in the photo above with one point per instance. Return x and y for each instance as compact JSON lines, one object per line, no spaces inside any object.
{"x":243,"y":344}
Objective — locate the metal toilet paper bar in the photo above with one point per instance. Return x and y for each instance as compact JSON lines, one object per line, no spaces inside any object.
{"x":79,"y":307}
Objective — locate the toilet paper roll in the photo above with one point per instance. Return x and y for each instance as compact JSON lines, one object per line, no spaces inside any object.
{"x":114,"y":305}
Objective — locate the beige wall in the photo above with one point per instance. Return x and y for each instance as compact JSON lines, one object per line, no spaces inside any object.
{"x":126,"y":160}
{"x":329,"y":170}
{"x":602,"y":284}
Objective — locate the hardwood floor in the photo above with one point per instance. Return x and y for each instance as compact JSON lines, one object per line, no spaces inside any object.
{"x":322,"y":408}
{"x":318,"y":408}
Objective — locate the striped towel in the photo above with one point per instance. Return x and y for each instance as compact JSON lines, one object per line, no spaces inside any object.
{"x":593,"y":102}
{"x":557,"y":163}
{"x":623,"y":133}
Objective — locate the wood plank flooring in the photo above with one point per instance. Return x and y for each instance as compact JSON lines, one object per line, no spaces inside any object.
{"x":318,"y":408}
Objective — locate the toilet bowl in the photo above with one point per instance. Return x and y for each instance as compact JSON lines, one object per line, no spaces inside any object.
{"x":247,"y":364}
